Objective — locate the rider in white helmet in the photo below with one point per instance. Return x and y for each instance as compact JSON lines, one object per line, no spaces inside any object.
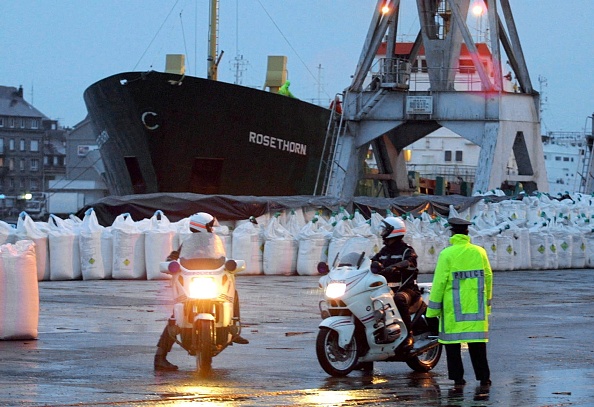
{"x":398,"y":261}
{"x":202,"y":244}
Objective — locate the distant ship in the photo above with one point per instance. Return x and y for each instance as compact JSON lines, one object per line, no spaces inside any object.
{"x":161,"y":132}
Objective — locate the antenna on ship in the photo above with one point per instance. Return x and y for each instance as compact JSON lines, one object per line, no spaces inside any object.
{"x":542,"y":81}
{"x":239,"y":64}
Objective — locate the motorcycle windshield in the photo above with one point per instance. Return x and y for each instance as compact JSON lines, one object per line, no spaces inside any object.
{"x":351,"y":254}
{"x":202,"y":246}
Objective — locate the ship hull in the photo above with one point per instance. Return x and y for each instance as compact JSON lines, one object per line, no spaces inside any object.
{"x":160,"y":132}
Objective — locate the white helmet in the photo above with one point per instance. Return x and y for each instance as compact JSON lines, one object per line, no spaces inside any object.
{"x":202,"y":222}
{"x":392,"y":227}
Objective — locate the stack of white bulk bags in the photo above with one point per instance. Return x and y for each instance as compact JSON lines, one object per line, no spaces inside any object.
{"x":128,"y":249}
{"x":96,"y":248}
{"x":314,"y":238}
{"x":19,"y":291}
{"x":248,"y":245}
{"x":64,"y":249}
{"x":27,"y":229}
{"x":280,"y":250}
{"x":158,"y":244}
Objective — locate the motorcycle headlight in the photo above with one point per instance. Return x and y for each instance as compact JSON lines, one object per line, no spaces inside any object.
{"x":203,"y":288}
{"x":335,"y":290}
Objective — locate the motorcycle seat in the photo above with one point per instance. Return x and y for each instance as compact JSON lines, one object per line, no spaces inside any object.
{"x":202,"y":264}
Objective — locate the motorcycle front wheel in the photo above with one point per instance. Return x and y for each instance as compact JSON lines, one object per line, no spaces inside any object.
{"x":204,"y":351}
{"x":335,"y":360}
{"x":426,"y":361}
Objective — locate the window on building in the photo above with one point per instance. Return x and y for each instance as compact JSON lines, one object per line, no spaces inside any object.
{"x":447,"y":156}
{"x":565,"y":158}
{"x":1,"y":121}
{"x":11,"y":164}
{"x":557,"y":158}
{"x":1,"y":146}
{"x":11,"y":183}
{"x":22,"y":183}
{"x":34,"y":164}
{"x":55,"y":161}
{"x":22,"y":164}
{"x":22,"y":121}
{"x":22,"y":144}
{"x":11,"y":122}
{"x":34,"y":145}
{"x":45,"y":160}
{"x":34,"y":182}
{"x":11,"y":144}
{"x":34,"y":123}
{"x":459,"y":156}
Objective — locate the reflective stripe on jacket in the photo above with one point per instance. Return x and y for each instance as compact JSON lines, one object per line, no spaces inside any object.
{"x":461,"y":292}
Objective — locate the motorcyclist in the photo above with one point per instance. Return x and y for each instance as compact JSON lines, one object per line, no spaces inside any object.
{"x":398,"y":264}
{"x":203,"y":243}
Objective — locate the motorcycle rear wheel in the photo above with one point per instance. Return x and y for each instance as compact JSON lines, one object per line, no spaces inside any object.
{"x":335,"y":360}
{"x":426,"y":361}
{"x":204,"y":351}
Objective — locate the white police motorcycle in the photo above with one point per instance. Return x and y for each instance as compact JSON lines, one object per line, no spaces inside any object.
{"x":203,"y":294}
{"x":361,"y":323}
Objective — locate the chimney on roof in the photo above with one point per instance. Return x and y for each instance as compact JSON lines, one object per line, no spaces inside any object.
{"x":19,"y":92}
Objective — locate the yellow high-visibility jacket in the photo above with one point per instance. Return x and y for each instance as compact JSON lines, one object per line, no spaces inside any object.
{"x":461,"y":292}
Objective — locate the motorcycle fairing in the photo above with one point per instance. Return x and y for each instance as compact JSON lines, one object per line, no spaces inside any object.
{"x":344,"y":326}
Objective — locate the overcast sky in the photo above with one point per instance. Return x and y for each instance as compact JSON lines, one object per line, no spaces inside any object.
{"x":55,"y":49}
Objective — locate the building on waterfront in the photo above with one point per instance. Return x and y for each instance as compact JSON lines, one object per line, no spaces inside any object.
{"x":34,"y":158}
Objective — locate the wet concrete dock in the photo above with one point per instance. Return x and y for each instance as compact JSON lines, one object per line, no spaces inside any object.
{"x":97,"y":340}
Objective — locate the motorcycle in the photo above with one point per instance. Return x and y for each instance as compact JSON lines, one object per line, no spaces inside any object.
{"x":360,"y":321}
{"x":203,"y":291}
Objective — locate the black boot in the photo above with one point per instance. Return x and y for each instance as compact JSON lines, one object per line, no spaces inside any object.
{"x":161,"y":362}
{"x":240,"y":340}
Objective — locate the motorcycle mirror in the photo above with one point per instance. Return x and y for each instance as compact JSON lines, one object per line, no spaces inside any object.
{"x":323,"y":268}
{"x":173,"y":267}
{"x":231,"y":265}
{"x":376,"y":267}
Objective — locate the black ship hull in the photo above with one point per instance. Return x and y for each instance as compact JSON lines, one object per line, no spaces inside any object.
{"x":160,"y":132}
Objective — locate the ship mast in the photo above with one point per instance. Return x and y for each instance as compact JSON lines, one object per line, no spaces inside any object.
{"x":213,"y":59}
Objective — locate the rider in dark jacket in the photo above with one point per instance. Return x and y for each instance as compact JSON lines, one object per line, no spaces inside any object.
{"x":399,"y":265}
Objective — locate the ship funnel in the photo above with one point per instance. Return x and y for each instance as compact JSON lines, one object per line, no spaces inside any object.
{"x":276,"y":73}
{"x":175,"y":64}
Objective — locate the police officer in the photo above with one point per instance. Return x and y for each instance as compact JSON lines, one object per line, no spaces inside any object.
{"x":461,"y":298}
{"x":399,"y":265}
{"x":203,"y":243}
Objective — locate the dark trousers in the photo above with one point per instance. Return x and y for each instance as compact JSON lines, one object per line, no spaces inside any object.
{"x":403,"y":299}
{"x":478,"y":357}
{"x":166,"y":341}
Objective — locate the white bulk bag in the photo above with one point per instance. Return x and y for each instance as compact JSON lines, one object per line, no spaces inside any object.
{"x":539,"y":248}
{"x":158,"y":245}
{"x":19,"y":291}
{"x":248,"y":245}
{"x":342,"y":232}
{"x":128,"y":249}
{"x":7,"y":233}
{"x":280,"y":250}
{"x":64,"y":250}
{"x":27,"y":229}
{"x":91,"y":242}
{"x":313,"y":247}
{"x":564,"y":248}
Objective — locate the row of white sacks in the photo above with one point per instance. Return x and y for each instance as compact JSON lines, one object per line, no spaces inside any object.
{"x":534,"y":233}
